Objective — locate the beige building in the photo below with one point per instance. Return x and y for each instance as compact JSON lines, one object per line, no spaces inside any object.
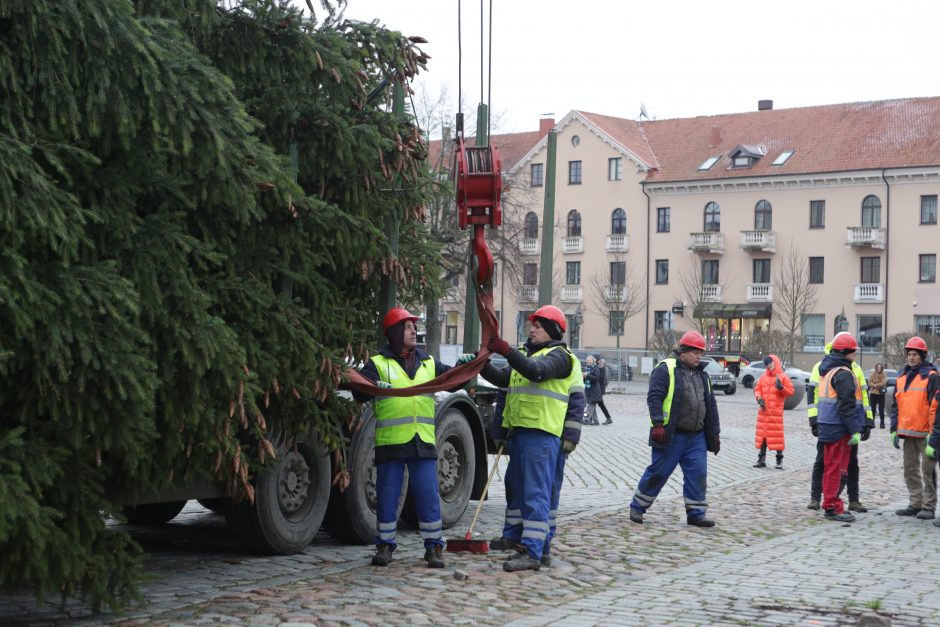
{"x":701,"y":221}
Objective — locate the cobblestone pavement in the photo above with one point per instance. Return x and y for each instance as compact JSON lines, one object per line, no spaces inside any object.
{"x":769,"y":560}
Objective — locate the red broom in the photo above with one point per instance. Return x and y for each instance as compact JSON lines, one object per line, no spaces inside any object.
{"x":476,"y":546}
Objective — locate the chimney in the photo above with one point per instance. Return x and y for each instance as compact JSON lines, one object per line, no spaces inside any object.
{"x":545,"y":125}
{"x":765,"y":105}
{"x":716,"y":136}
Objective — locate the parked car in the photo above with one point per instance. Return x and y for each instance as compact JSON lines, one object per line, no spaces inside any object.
{"x":891,"y":373}
{"x":756,"y":369}
{"x":720,"y":378}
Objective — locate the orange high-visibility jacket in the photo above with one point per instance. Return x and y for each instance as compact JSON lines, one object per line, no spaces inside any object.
{"x":770,"y":419}
{"x":914,"y":409}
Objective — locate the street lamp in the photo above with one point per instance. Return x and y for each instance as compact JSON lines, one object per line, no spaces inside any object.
{"x":576,"y":320}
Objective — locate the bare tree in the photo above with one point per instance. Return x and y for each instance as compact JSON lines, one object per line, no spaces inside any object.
{"x":663,"y":342}
{"x":620,"y":301}
{"x":794,"y":297}
{"x":775,"y":341}
{"x":697,"y":291}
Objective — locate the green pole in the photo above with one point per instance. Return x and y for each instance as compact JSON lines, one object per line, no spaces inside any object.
{"x":471,"y":320}
{"x":548,"y":224}
{"x":388,"y":288}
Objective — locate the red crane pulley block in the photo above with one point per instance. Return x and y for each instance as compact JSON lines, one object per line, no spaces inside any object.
{"x":479,"y":185}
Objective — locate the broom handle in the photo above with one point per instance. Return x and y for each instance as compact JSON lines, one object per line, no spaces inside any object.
{"x":486,"y":489}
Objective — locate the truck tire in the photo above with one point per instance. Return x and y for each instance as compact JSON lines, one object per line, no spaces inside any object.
{"x":153,"y":513}
{"x":456,"y":466}
{"x":290,"y":501}
{"x":350,"y":516}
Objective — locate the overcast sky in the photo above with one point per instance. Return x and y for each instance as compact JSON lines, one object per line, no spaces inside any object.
{"x":680,"y":58}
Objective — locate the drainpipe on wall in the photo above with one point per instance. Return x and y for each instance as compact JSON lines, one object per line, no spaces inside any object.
{"x":887,"y":248}
{"x":646,"y":339}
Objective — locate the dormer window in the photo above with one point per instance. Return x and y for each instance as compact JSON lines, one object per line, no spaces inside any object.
{"x":744,"y":156}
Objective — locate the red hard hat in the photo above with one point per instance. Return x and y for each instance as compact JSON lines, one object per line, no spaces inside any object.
{"x":693,"y":339}
{"x":916,"y":344}
{"x":844,"y":341}
{"x":396,"y":315}
{"x":550,"y":312}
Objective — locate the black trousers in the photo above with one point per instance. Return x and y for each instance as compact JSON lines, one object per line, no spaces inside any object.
{"x":878,"y":406}
{"x":603,"y":407}
{"x":815,"y":490}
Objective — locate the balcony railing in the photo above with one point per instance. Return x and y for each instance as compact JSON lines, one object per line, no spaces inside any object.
{"x":615,"y":293}
{"x":528,"y":246}
{"x":528,"y":293}
{"x":571,"y":294}
{"x":572,"y":244}
{"x":618,"y":242}
{"x":760,"y":293}
{"x":866,"y":236}
{"x":764,"y":241}
{"x":869,"y":293}
{"x":711,"y":293}
{"x":707,"y":242}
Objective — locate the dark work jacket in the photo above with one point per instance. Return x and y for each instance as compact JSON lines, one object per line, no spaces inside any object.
{"x":594,"y":385}
{"x":852,"y":419}
{"x":659,"y":388}
{"x":416,"y":447}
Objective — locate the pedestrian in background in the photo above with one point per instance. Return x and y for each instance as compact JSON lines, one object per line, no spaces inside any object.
{"x":604,"y":377}
{"x":877,"y":386}
{"x":684,"y":425}
{"x":771,"y":390}
{"x":592,"y":389}
{"x":913,"y":415}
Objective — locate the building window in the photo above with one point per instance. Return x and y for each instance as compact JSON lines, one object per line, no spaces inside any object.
{"x":574,"y":172}
{"x":662,"y":219}
{"x":927,"y":325}
{"x":495,"y":273}
{"x":762,"y":271}
{"x":871,"y":270}
{"x":817,"y":269}
{"x":662,"y":272}
{"x":928,"y":268}
{"x":618,"y":222}
{"x":782,"y":157}
{"x":763,"y":216}
{"x":710,"y":272}
{"x":615,"y":169}
{"x":575,"y":140}
{"x":708,"y":163}
{"x":574,"y":223}
{"x":530,"y":274}
{"x":871,"y":212}
{"x":928,"y":209}
{"x":450,"y":335}
{"x":531,"y":226}
{"x":712,"y":218}
{"x":573,"y":273}
{"x":869,"y":330}
{"x":618,"y":272}
{"x":617,"y":318}
{"x":660,"y":320}
{"x":817,"y":214}
{"x":814,"y":331}
{"x":537,"y":171}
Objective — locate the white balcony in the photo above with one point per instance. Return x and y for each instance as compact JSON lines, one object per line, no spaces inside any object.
{"x":528,"y":293}
{"x":866,"y":237}
{"x":707,"y":242}
{"x":869,"y":293}
{"x":711,"y":293}
{"x":452,"y":295}
{"x":618,"y":243}
{"x":615,"y":293}
{"x":572,"y":244}
{"x":528,"y":246}
{"x":763,"y":241}
{"x":760,"y":293}
{"x":571,"y":294}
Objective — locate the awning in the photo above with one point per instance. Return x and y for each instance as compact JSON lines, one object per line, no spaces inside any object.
{"x":723,"y":310}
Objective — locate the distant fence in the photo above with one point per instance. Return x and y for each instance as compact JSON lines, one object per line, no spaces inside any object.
{"x":624,"y":364}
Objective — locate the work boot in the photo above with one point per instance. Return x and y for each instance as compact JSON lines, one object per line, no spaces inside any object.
{"x":521,"y":561}
{"x":546,"y":560}
{"x":779,"y":465}
{"x":760,"y":464}
{"x":383,"y":555}
{"x":907,"y":511}
{"x":856,"y":506}
{"x":843,"y":517}
{"x":608,"y":422}
{"x":701,"y":521}
{"x":502,"y":544}
{"x":813,"y":504}
{"x":636,"y":516}
{"x":925,"y":514}
{"x":432,"y":555}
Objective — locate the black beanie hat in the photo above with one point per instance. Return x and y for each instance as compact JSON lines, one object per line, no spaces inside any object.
{"x":768,"y":360}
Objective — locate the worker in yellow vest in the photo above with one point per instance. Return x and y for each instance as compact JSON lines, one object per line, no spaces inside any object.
{"x":404,"y":437}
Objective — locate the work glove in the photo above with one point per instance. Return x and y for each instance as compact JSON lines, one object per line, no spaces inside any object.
{"x":466,"y":358}
{"x":855,"y":439}
{"x":717,"y":444}
{"x":778,"y":384}
{"x":894,"y":439}
{"x":385,"y":385}
{"x":815,"y":430}
{"x":568,"y":446}
{"x":866,"y":433}
{"x":930,"y":452}
{"x":659,"y":434}
{"x":762,"y":403}
{"x":498,"y":345}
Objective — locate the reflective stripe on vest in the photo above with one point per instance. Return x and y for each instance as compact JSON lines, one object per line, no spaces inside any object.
{"x":399,"y":418}
{"x":828,"y":399}
{"x":862,"y":383}
{"x":541,"y":405}
{"x":667,"y":402}
{"x":915,"y":412}
{"x":812,"y":408}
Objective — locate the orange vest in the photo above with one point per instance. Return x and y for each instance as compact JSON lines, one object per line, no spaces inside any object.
{"x":915,"y":410}
{"x":828,"y":400}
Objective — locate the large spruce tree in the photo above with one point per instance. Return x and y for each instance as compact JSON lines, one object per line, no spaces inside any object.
{"x":171,"y":288}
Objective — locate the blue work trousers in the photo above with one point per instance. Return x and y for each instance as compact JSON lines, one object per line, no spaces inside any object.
{"x":688,"y":451}
{"x":530,"y":488}
{"x":422,"y":485}
{"x":512,"y":526}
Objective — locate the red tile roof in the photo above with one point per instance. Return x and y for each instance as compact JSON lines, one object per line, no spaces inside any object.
{"x":512,"y":147}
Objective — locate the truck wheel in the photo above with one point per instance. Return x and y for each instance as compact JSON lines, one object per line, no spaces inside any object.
{"x":153,"y":513}
{"x":456,"y":465}
{"x":747,"y":381}
{"x":290,"y":501}
{"x":350,"y":516}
